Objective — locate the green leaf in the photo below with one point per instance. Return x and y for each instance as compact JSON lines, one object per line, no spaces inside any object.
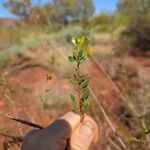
{"x":81,"y":54}
{"x":83,"y":77}
{"x":73,"y":80}
{"x":75,"y":55}
{"x":133,"y":139}
{"x":72,"y":97}
{"x":85,"y":95}
{"x":74,"y":104}
{"x":83,"y":60}
{"x":84,"y":84}
{"x":84,"y":107}
{"x":80,"y":41}
{"x":71,"y":59}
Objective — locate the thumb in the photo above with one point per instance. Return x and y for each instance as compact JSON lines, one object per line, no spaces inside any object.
{"x":85,"y":134}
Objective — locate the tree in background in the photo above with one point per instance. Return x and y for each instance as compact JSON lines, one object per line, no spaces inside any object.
{"x":62,"y":11}
{"x":41,"y":14}
{"x":86,"y":9}
{"x":25,"y":10}
{"x":102,"y":19}
{"x":74,"y":10}
{"x":130,"y":7}
{"x":65,"y":10}
{"x":48,"y":12}
{"x":19,"y":8}
{"x":138,"y":28}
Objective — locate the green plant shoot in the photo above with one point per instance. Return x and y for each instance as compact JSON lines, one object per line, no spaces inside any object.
{"x":79,"y":80}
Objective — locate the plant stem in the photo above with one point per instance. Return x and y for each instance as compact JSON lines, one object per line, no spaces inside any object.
{"x":78,"y":88}
{"x":79,"y":92}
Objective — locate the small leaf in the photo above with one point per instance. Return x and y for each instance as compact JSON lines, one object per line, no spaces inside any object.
{"x":85,"y":95}
{"x":75,"y":55}
{"x":84,"y":84}
{"x":84,"y":107}
{"x":73,"y":40}
{"x":133,"y":139}
{"x":71,"y":59}
{"x":80,"y":41}
{"x":83,"y":60}
{"x":74,"y":104}
{"x":83,"y":77}
{"x":72,"y":97}
{"x":88,"y":50}
{"x":73,"y":80}
{"x":81,"y":54}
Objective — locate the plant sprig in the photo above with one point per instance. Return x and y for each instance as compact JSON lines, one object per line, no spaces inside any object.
{"x":79,"y":102}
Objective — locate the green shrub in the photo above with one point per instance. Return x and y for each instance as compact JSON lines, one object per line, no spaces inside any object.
{"x":102,"y":28}
{"x":138,"y":32}
{"x":102,"y":19}
{"x":138,"y":28}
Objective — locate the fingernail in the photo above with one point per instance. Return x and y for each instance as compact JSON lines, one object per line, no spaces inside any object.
{"x":86,"y":130}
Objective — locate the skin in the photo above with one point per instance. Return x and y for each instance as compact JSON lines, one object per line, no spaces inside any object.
{"x":66,"y":133}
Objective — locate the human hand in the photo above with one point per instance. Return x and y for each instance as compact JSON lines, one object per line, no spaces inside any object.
{"x":66,"y":133}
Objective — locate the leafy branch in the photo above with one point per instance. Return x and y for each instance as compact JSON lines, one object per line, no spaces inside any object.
{"x":79,"y":102}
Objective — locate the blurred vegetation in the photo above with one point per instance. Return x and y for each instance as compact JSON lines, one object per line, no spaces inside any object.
{"x":137,"y":32}
{"x":132,"y":15}
{"x":68,"y":10}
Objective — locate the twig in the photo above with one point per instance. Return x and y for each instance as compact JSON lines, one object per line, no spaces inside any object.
{"x":22,"y":121}
{"x":107,"y":118}
{"x":114,"y":144}
{"x":115,"y":87}
{"x":147,"y":135}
